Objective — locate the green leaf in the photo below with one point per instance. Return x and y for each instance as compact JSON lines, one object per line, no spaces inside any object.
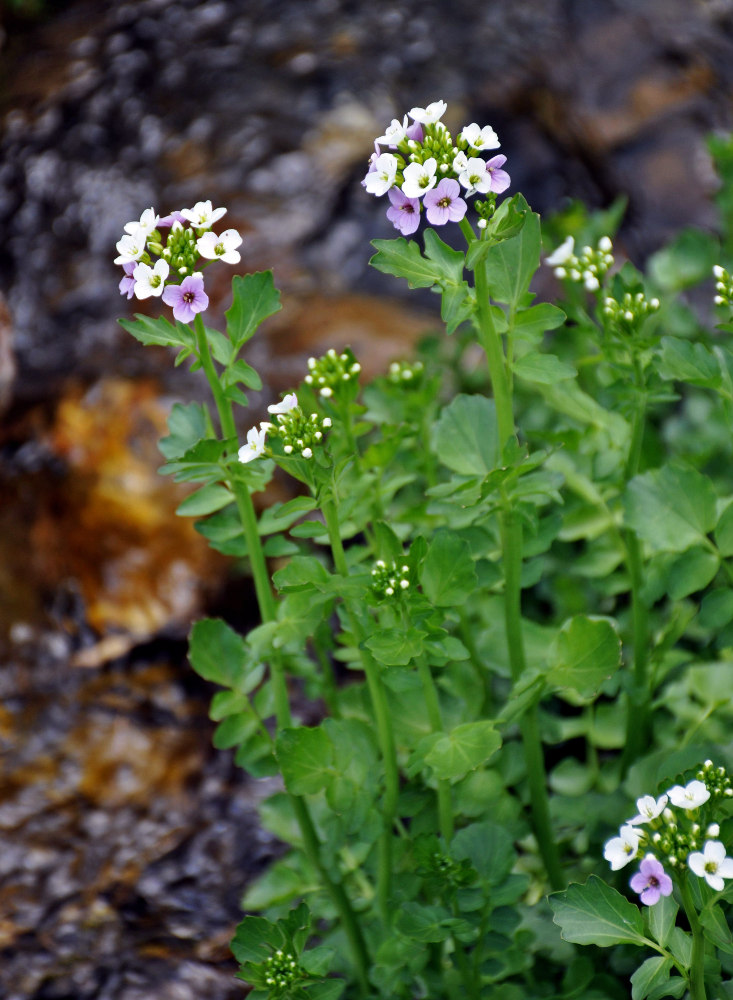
{"x":661,"y":918}
{"x":723,"y":534}
{"x":463,"y":749}
{"x":423,"y":923}
{"x":586,"y":652}
{"x":305,"y":756}
{"x":465,"y":435}
{"x":205,"y":501}
{"x":488,"y":847}
{"x":692,"y":571}
{"x":686,"y":261}
{"x":511,"y":264}
{"x":395,"y":646}
{"x":159,"y":331}
{"x":254,"y":298}
{"x":448,"y":263}
{"x":672,"y":508}
{"x":187,"y":424}
{"x":717,"y":929}
{"x":448,"y":573}
{"x":402,"y":258}
{"x":543,"y":368}
{"x":327,"y":989}
{"x":716,"y":609}
{"x":456,"y":305}
{"x":680,"y":944}
{"x":688,"y":361}
{"x":530,"y":324}
{"x":595,"y":913}
{"x":218,"y":653}
{"x":240,"y":371}
{"x":649,"y":975}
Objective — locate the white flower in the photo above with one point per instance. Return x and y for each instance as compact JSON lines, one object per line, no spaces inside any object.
{"x":562,"y":254}
{"x":394,"y":133}
{"x":649,"y":808}
{"x":285,"y":405}
{"x":475,"y":177}
{"x":480,"y":138}
{"x":419,"y":178}
{"x":712,"y":864}
{"x":622,"y":849}
{"x":148,"y":222}
{"x":255,"y":445}
{"x":430,"y":115}
{"x":131,"y":247}
{"x":381,"y":178}
{"x":460,"y":162}
{"x":689,"y":797}
{"x":203,"y":215}
{"x":150,"y":280}
{"x":221,"y":247}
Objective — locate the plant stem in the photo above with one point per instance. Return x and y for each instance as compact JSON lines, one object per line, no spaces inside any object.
{"x":697,"y":962}
{"x":268,"y":612}
{"x":511,"y":545}
{"x":430,"y":693}
{"x":385,"y":736}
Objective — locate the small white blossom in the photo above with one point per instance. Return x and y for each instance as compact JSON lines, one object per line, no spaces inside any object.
{"x":430,"y":115}
{"x":619,"y":851}
{"x":150,"y":280}
{"x":460,"y":162}
{"x":131,"y":247}
{"x":480,"y":138}
{"x":562,"y":254}
{"x":221,"y":247}
{"x":419,"y":178}
{"x":381,"y":178}
{"x":203,"y":215}
{"x":148,"y":222}
{"x":475,"y":177}
{"x":691,"y":796}
{"x":712,"y":864}
{"x":394,"y":133}
{"x":255,"y":445}
{"x":649,"y":808}
{"x":285,"y":405}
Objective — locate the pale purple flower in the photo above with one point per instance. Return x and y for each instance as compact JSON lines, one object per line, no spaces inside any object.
{"x":415,"y":132}
{"x":127,"y":285}
{"x":444,"y":204}
{"x":404,"y":213}
{"x":651,"y":881}
{"x":500,"y":179}
{"x":188,"y":298}
{"x":167,"y":221}
{"x":712,"y":864}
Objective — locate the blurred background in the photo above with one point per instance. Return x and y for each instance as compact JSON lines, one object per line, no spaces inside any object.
{"x":125,"y":840}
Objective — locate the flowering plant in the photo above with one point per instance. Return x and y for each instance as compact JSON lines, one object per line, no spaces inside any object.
{"x":504,"y":589}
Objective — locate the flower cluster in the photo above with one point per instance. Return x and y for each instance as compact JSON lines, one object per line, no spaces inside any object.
{"x":331,"y":371}
{"x":589,"y":265}
{"x":281,"y":971}
{"x":677,"y":838}
{"x":631,"y":311}
{"x":405,"y":372}
{"x":388,"y":579}
{"x":174,"y":275}
{"x":299,"y":432}
{"x":429,"y":171}
{"x":723,"y":286}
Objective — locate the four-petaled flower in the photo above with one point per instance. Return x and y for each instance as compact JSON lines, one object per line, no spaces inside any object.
{"x":221,"y":247}
{"x":286,"y":404}
{"x":651,"y":881}
{"x":131,"y":247}
{"x":499,"y":179}
{"x":148,"y":222}
{"x":475,"y":176}
{"x":712,"y":864}
{"x":622,"y":849}
{"x":188,"y":298}
{"x":255,"y":444}
{"x":419,"y":178}
{"x":690,"y":796}
{"x":394,"y":133}
{"x":649,"y":808}
{"x":480,"y":138}
{"x":203,"y":215}
{"x":430,"y":115}
{"x":381,"y":174}
{"x":443,"y":203}
{"x":150,"y":280}
{"x":404,"y":213}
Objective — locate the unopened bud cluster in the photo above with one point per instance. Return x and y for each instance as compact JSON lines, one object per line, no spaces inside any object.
{"x":405,"y":372}
{"x":716,"y":780}
{"x":281,"y":970}
{"x":299,"y":432}
{"x":589,"y":265}
{"x":631,"y":311}
{"x":389,"y":580}
{"x":329,"y":373}
{"x":723,"y":286}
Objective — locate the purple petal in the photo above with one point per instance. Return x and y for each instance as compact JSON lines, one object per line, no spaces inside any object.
{"x":650,"y":896}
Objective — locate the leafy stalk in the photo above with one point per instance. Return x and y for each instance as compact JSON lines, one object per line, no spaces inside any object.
{"x":697,"y":961}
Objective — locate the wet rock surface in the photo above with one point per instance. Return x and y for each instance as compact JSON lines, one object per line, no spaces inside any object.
{"x":125,"y":841}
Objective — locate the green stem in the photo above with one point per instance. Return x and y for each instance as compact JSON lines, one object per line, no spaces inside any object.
{"x":430,"y":693}
{"x":385,"y":736}
{"x":268,"y":611}
{"x":697,"y":962}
